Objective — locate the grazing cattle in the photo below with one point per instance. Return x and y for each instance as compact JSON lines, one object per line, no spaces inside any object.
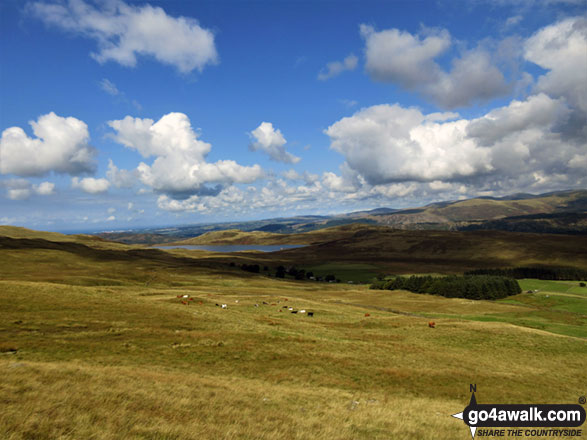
{"x":310,"y":314}
{"x":432,"y":324}
{"x":273,"y":304}
{"x":191,"y":299}
{"x":200,"y":302}
{"x":290,"y":309}
{"x":280,"y":310}
{"x":294,"y":311}
{"x":186,"y":296}
{"x":179,"y":296}
{"x":265,"y":303}
{"x":284,"y":307}
{"x":256,"y":305}
{"x":302,"y":311}
{"x":184,"y":303}
{"x":217,"y":305}
{"x":224,"y":306}
{"x":367,"y":315}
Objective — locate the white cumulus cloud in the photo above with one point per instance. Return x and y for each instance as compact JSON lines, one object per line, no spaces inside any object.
{"x":180,"y":168}
{"x":60,"y":145}
{"x":560,"y":48}
{"x":120,"y":178}
{"x":21,"y":189}
{"x":387,"y":143}
{"x":44,"y":188}
{"x":408,"y":60}
{"x":18,"y":193}
{"x":520,"y":146}
{"x":123,"y":32}
{"x":271,"y":141}
{"x":90,"y":185}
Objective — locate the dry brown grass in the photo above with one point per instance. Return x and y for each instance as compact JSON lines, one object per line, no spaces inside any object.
{"x":93,"y":348}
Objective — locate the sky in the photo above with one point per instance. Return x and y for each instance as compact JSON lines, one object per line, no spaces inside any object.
{"x":127,"y":114}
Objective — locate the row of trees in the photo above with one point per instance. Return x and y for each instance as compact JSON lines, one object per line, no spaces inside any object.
{"x":468,"y":286}
{"x":301,"y":274}
{"x":541,"y":273}
{"x":282,"y":271}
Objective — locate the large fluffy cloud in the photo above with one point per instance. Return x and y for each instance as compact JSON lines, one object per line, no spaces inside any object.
{"x":560,"y":49}
{"x":180,"y":168}
{"x":388,"y":143}
{"x":519,"y":145}
{"x":271,"y":141}
{"x":60,"y":145}
{"x":533,"y":144}
{"x":409,"y":60}
{"x":124,"y":31}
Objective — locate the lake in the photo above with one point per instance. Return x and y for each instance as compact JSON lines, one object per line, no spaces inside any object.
{"x":234,"y":247}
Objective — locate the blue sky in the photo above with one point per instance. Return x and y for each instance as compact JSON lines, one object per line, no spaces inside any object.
{"x":175,"y":112}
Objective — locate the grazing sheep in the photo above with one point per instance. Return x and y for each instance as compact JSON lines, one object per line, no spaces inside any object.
{"x":302,"y":311}
{"x":310,"y":314}
{"x":185,"y":296}
{"x":224,"y":306}
{"x":431,"y":324}
{"x":256,"y":305}
{"x":290,"y":308}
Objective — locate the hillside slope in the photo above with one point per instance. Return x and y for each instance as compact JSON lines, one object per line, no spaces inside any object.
{"x":401,"y":251}
{"x":235,"y":236}
{"x":452,"y":215}
{"x":17,"y":232}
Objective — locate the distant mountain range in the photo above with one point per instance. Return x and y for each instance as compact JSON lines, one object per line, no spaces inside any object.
{"x":562,"y":212}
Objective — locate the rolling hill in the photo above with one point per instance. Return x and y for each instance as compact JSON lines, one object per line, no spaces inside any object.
{"x":101,"y":340}
{"x":461,"y":214}
{"x":563,"y":212}
{"x":235,"y":236}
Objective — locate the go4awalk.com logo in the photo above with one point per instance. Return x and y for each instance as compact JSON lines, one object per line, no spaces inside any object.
{"x":525,"y":420}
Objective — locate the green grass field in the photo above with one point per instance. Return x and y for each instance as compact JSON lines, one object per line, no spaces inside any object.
{"x":102,"y":348}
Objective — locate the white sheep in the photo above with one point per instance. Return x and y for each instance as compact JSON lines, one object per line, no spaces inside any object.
{"x":224,"y":306}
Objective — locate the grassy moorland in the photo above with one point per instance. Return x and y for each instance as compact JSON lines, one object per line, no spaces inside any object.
{"x":377,"y":249}
{"x":96,"y":344}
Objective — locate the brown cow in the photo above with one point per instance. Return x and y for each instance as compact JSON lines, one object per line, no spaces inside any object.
{"x":431,"y":324}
